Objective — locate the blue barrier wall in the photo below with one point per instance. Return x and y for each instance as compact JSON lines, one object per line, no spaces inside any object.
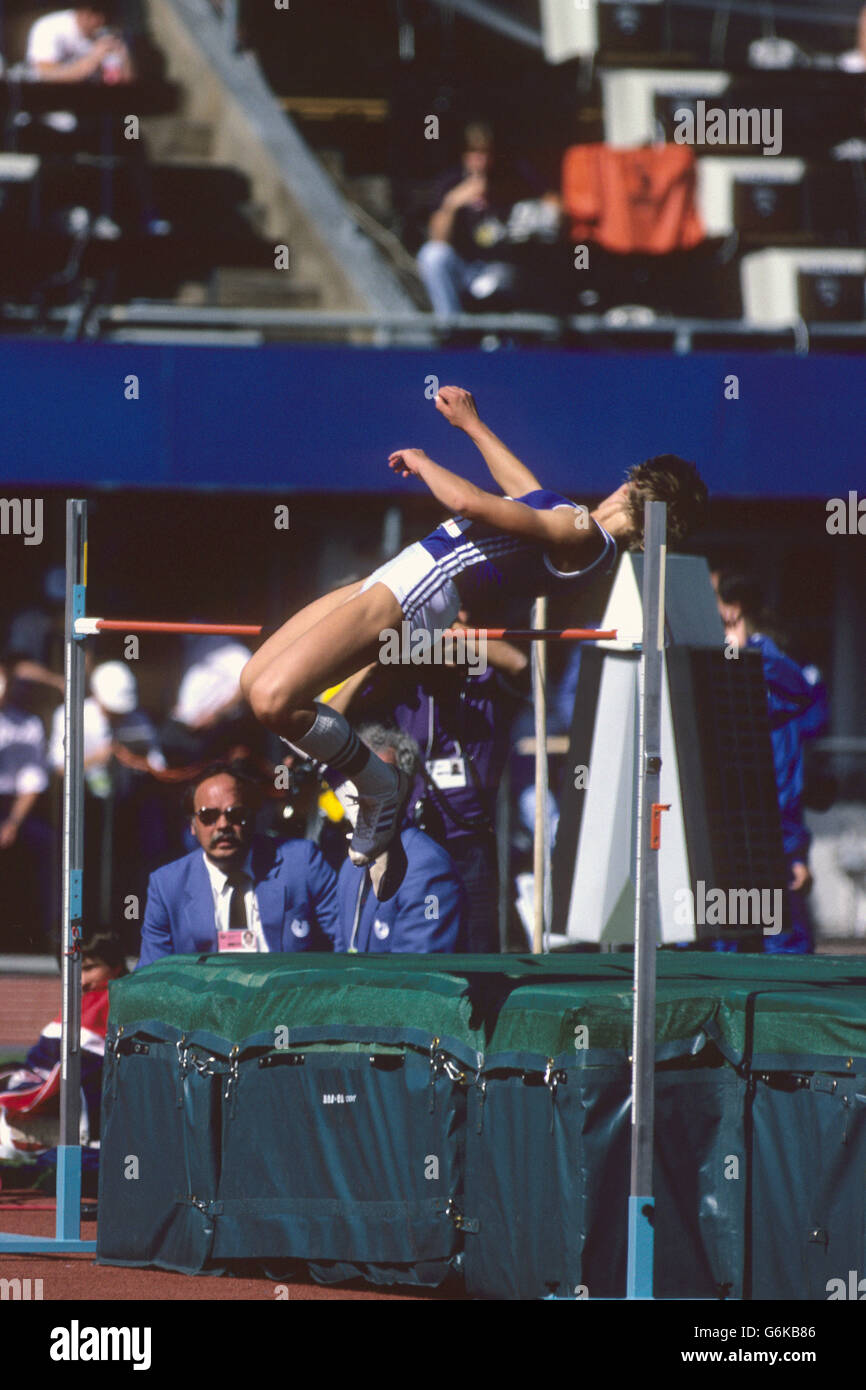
{"x":324,"y":419}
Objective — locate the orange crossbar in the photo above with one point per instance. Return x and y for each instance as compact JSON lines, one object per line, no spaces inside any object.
{"x":508,"y":634}
{"x":138,"y":625}
{"x":536,"y":634}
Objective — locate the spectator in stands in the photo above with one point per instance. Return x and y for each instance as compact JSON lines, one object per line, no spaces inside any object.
{"x":36,"y":636}
{"x":411,"y":898}
{"x":74,"y":46}
{"x":25,"y":839}
{"x":468,"y":251}
{"x":238,"y":891}
{"x":797,"y":703}
{"x":29,"y":1095}
{"x":210,"y":720}
{"x":461,"y":719}
{"x":111,"y":717}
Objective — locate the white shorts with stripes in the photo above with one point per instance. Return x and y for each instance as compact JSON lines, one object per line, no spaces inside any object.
{"x":429,"y":599}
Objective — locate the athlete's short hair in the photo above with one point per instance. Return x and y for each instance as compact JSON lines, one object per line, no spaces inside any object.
{"x":667,"y":478}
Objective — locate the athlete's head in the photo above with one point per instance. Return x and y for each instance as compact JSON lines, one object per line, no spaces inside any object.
{"x":666,"y":478}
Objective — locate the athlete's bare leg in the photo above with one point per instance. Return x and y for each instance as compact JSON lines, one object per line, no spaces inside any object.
{"x":282,"y":692}
{"x":290,"y":631}
{"x":318,"y":651}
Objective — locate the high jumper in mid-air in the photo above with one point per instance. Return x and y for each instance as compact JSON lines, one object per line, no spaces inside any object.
{"x":527,"y":543}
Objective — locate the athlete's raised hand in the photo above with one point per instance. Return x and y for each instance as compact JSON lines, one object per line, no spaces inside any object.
{"x":408,"y":462}
{"x":458,"y":406}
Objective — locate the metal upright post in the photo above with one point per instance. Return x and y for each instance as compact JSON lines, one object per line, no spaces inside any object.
{"x":69,"y":1148}
{"x":68,"y":1222}
{"x":539,"y":843}
{"x":639,"y":1279}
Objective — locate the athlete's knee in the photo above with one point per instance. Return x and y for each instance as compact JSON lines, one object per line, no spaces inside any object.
{"x":270,"y":698}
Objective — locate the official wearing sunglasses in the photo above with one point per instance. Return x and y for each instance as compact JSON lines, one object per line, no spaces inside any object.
{"x":235,"y":815}
{"x":237,"y":891}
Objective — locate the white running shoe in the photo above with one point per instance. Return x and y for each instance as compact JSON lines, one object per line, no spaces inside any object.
{"x":379,"y":820}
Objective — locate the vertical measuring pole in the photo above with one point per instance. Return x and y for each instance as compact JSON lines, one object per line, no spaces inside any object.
{"x":69,"y":1148}
{"x":67,"y":1237}
{"x":639,"y":1278}
{"x":539,"y":843}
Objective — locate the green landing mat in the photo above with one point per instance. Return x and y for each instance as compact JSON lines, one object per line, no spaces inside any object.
{"x":773,"y":1012}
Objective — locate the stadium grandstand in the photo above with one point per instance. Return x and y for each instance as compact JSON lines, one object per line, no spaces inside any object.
{"x":269,"y":176}
{"x":524,"y":961}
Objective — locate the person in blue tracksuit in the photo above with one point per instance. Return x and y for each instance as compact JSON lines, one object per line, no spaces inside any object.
{"x":410,"y":899}
{"x":797,"y":704}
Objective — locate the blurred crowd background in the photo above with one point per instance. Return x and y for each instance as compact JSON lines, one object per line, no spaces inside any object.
{"x":154,"y":721}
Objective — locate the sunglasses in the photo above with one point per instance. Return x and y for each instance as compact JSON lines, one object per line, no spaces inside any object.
{"x":235,"y":815}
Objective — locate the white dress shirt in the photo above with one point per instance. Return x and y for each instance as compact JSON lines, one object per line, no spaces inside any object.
{"x":222,"y":892}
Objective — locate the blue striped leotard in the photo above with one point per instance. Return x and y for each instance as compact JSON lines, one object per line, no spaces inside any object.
{"x":486,"y":563}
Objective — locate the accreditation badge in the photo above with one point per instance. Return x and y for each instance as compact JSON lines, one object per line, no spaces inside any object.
{"x":240,"y":939}
{"x":447,"y":773}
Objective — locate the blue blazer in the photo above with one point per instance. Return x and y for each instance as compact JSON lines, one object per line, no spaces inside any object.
{"x":296,"y":890}
{"x":423,"y":907}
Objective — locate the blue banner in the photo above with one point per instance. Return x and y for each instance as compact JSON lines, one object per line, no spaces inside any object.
{"x":323,"y":419}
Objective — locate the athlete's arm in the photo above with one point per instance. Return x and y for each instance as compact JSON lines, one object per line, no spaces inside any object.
{"x":508,"y":471}
{"x":556,"y":528}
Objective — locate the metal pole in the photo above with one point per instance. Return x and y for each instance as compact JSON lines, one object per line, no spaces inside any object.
{"x":69,"y":1148}
{"x":539,"y":845}
{"x":67,"y":1237}
{"x":503,"y":853}
{"x":639,"y":1281}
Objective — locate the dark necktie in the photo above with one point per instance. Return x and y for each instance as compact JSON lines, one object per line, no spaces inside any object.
{"x":237,"y":902}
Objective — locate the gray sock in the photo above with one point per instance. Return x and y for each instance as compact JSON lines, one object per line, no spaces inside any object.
{"x":333,"y":741}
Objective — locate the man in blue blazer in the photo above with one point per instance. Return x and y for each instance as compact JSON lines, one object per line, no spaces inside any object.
{"x":411,"y":898}
{"x":416,"y":903}
{"x":239,"y":891}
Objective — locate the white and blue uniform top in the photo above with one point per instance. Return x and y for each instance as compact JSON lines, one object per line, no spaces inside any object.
{"x":486,"y":563}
